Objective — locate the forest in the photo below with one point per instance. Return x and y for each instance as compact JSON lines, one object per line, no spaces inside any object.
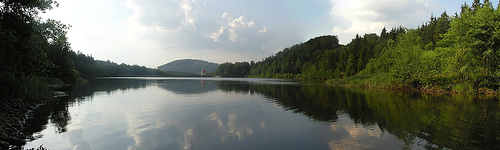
{"x":458,"y":53}
{"x":88,"y":67}
{"x":35,"y":53}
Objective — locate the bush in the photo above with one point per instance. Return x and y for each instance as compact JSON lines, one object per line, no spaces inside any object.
{"x":382,"y":80}
{"x":31,"y":88}
{"x":464,"y":87}
{"x":36,"y":88}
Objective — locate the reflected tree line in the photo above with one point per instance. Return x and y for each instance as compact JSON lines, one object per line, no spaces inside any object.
{"x":57,"y":112}
{"x":442,"y":121}
{"x":187,"y":86}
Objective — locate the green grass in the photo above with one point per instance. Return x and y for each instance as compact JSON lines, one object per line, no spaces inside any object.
{"x":378,"y":80}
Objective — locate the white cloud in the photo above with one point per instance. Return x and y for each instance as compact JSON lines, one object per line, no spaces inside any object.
{"x":263,"y":30}
{"x":129,"y":31}
{"x":183,"y":29}
{"x":239,"y":29}
{"x":166,"y":16}
{"x":281,"y":48}
{"x":188,"y":9}
{"x":215,"y":35}
{"x":367,"y":16}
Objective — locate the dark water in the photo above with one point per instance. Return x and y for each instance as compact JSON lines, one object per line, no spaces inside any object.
{"x":219,"y":113}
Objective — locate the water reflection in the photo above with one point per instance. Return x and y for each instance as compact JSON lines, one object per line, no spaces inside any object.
{"x":441,"y":121}
{"x":187,"y":86}
{"x":57,"y":112}
{"x":253,"y":114}
{"x":108,"y":86}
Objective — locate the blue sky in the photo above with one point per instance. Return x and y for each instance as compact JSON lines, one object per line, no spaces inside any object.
{"x":154,"y":32}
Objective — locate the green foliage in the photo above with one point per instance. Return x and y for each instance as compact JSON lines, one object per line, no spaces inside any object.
{"x":34,"y":88}
{"x":238,"y":69}
{"x":60,"y":66}
{"x":464,"y":87}
{"x":322,"y":57}
{"x":461,"y":53}
{"x":86,"y":65}
{"x":299,"y":61}
{"x":473,"y":39}
{"x":33,"y":51}
{"x":408,"y":66}
{"x":380,"y":80}
{"x":337,"y":73}
{"x":350,"y":70}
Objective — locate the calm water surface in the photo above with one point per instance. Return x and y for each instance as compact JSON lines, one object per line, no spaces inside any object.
{"x":222,"y":113}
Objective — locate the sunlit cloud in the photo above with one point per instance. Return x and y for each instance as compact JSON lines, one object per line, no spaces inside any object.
{"x":188,"y":9}
{"x":366,"y":16}
{"x":239,"y":29}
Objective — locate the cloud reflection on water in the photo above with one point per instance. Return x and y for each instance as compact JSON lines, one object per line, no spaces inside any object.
{"x":232,"y":127}
{"x":356,"y":136}
{"x":226,"y":114}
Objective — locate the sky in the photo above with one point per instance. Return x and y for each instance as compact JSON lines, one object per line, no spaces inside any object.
{"x":154,"y":32}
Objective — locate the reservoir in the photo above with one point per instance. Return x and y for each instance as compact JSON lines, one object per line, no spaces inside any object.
{"x":244,"y":113}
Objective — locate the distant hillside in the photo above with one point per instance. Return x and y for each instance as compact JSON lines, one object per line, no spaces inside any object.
{"x":189,"y":66}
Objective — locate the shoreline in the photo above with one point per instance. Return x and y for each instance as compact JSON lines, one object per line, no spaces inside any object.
{"x":15,"y":113}
{"x":481,"y":93}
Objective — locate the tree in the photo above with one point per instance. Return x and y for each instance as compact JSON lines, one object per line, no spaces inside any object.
{"x":383,"y":34}
{"x":337,"y":73}
{"x":60,"y":66}
{"x":23,"y":48}
{"x":350,"y":69}
{"x":476,"y":4}
{"x":472,"y":44}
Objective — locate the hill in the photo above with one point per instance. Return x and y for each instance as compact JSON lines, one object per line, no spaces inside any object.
{"x":189,"y":66}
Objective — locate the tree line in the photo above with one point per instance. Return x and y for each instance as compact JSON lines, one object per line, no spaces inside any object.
{"x":88,"y":67}
{"x":318,"y":58}
{"x":459,"y":52}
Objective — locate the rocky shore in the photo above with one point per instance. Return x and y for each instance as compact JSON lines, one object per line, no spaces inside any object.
{"x":13,"y":114}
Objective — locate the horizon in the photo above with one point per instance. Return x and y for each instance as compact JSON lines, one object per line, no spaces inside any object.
{"x":152,"y":33}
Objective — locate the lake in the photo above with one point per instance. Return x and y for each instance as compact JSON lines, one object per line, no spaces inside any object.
{"x":242,"y":113}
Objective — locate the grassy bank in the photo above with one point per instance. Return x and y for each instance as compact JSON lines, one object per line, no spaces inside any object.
{"x":438,"y":86}
{"x":374,"y":81}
